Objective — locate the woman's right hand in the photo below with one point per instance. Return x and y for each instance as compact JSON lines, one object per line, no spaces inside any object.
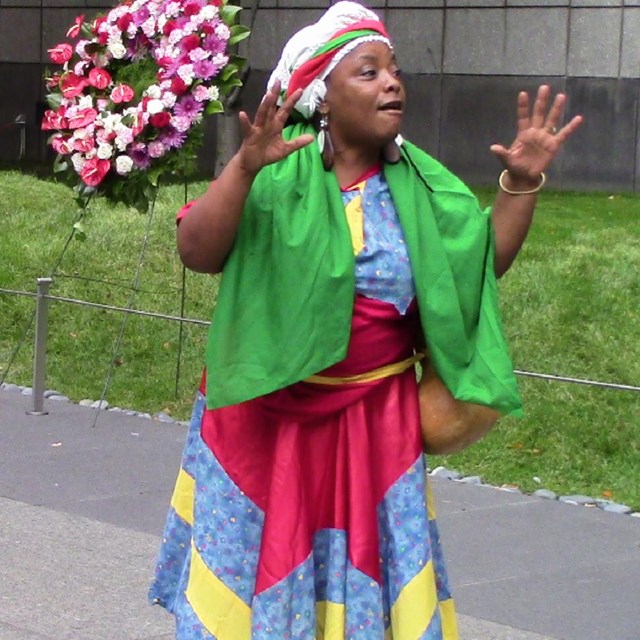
{"x":263,"y":143}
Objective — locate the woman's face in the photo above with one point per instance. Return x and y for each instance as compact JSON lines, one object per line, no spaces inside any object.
{"x":365,"y":98}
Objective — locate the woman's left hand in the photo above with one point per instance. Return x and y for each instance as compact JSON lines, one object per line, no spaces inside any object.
{"x":539,"y":136}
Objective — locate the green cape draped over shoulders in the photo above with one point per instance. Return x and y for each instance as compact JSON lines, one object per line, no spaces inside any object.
{"x":287,"y":290}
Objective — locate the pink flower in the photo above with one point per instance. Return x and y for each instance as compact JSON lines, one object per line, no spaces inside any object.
{"x":122,"y":93}
{"x":190,"y":42}
{"x":61,"y":53}
{"x":156,"y":149}
{"x":83,"y":143}
{"x":94,"y":171}
{"x":72,"y":85}
{"x":74,"y":31}
{"x":61,"y":144}
{"x":55,"y":120}
{"x":82,"y":118}
{"x":99,"y":78}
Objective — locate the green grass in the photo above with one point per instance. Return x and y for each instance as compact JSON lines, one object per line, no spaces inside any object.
{"x":570,"y":307}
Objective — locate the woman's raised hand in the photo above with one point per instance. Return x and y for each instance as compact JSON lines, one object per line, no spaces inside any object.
{"x":539,"y":135}
{"x":262,"y":139}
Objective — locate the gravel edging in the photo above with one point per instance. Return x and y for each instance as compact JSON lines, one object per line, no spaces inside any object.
{"x":439,"y":472}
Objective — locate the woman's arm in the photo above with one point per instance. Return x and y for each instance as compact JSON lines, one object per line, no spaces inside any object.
{"x":536,"y":144}
{"x":206,"y":234}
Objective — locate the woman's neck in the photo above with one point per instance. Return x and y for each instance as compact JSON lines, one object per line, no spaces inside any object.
{"x":350,"y":164}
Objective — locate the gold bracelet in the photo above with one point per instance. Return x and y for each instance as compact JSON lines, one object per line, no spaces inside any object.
{"x":543,"y":179}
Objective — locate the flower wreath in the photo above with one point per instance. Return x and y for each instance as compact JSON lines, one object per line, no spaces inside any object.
{"x":128,"y":104}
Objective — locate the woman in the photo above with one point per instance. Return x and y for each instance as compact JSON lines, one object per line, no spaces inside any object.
{"x":300,"y":508}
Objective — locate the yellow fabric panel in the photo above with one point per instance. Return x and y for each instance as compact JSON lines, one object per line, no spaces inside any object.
{"x":413,"y":609}
{"x":183,"y":496}
{"x":355,"y":220}
{"x":431,"y":503}
{"x":221,"y":611}
{"x":369,"y":376}
{"x":330,"y":621}
{"x":449,"y":622}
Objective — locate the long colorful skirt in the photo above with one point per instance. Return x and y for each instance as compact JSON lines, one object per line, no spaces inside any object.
{"x":306,"y":514}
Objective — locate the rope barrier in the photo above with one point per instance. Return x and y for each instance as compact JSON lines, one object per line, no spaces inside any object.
{"x":162,"y":316}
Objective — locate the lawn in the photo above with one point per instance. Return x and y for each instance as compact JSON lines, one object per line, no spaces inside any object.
{"x":569,"y":304}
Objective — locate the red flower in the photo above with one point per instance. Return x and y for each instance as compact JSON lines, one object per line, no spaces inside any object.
{"x":102,"y":36}
{"x":83,"y":145}
{"x":74,"y":31}
{"x":61,"y":53}
{"x":82,"y":118}
{"x":191,"y":9}
{"x":99,"y":78}
{"x":94,"y":170}
{"x":178,"y":86}
{"x":190,"y":42}
{"x":53,"y":81}
{"x":169,"y":26}
{"x":160,"y":120}
{"x":72,"y":85}
{"x":121,"y":93}
{"x":54,"y":120}
{"x":124,"y":21}
{"x":60,"y":144}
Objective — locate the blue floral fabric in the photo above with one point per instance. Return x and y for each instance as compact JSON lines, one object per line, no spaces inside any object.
{"x":383,"y":270}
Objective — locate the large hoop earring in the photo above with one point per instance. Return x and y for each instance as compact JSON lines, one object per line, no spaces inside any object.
{"x":324,"y":142}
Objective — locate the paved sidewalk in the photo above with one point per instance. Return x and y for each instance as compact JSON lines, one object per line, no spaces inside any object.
{"x":82,"y":509}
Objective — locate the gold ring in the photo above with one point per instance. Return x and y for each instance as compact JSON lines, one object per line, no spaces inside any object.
{"x":552,"y":130}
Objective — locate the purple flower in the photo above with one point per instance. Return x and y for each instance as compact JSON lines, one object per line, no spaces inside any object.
{"x":204,"y":69}
{"x":172,"y":138}
{"x":213,"y":44}
{"x":188,"y":107}
{"x":140,"y":16}
{"x":140,"y":156}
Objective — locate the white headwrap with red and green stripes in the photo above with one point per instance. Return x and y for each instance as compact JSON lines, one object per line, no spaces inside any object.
{"x":313,"y":52}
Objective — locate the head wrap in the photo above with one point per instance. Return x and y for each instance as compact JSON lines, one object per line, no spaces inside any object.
{"x":313,"y":52}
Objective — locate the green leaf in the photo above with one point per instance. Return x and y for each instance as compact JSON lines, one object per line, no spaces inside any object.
{"x":215,"y":106}
{"x":228,"y":13}
{"x":227,"y":72}
{"x":54,"y":100}
{"x":154,"y":176}
{"x":60,"y":164}
{"x":238,"y":32}
{"x":80,"y":233}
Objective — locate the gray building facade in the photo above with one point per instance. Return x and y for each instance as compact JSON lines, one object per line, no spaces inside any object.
{"x":464,"y":62}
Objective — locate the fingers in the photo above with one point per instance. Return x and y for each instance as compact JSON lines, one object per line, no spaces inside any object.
{"x":500,"y":152}
{"x":568,"y":129}
{"x":288,"y":105}
{"x":555,"y":113}
{"x":540,"y":106}
{"x":267,"y":106}
{"x":524,"y":121}
{"x":297,"y":143}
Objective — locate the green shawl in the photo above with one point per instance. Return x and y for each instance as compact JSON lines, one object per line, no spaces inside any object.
{"x":286,"y":296}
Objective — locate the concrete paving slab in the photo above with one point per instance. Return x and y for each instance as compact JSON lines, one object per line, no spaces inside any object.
{"x":544,"y":566}
{"x":82,"y":511}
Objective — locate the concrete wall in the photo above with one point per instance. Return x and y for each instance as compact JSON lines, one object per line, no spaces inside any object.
{"x":464,"y":63}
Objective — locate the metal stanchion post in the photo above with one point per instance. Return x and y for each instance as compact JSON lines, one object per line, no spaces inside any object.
{"x":40,"y":351}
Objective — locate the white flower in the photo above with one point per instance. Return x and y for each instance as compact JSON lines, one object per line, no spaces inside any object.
{"x":209,"y":12}
{"x":149,"y":27}
{"x":124,"y":137}
{"x":169,"y":99}
{"x":172,"y":9}
{"x":155,"y":106}
{"x":80,"y":49}
{"x":85,"y":102}
{"x":124,"y":164}
{"x":198,"y":54}
{"x":201,"y":93}
{"x":77,"y":159}
{"x":214,"y":93}
{"x":105,"y":151}
{"x":162,"y":20}
{"x":222,"y":31}
{"x":117,"y":50}
{"x":185,"y":72}
{"x":79,"y":67}
{"x":175,"y":36}
{"x":153,"y":91}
